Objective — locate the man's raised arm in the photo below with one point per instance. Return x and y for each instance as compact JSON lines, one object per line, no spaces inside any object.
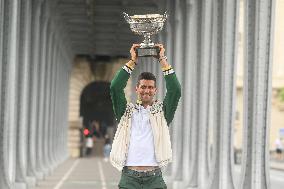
{"x":173,"y":87}
{"x":119,"y":83}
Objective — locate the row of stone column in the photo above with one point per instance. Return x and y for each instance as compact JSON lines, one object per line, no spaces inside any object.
{"x":34,"y":75}
{"x":201,"y":40}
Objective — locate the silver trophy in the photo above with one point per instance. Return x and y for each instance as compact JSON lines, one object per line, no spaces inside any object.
{"x":146,"y":25}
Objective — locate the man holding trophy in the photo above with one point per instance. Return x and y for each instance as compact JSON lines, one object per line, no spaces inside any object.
{"x":142,"y":146}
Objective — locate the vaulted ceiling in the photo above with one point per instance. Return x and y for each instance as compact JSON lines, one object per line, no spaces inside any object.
{"x":97,"y":27}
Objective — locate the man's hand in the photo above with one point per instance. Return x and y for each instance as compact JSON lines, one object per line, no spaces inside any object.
{"x":133,"y":52}
{"x":133,"y":61}
{"x":162,"y":58}
{"x":161,"y":50}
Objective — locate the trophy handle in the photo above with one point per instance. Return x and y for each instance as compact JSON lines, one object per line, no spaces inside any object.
{"x":126,"y":17}
{"x":165,"y":16}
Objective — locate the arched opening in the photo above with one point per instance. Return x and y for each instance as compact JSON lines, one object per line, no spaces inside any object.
{"x":95,"y":104}
{"x":97,"y":117}
{"x":90,"y":104}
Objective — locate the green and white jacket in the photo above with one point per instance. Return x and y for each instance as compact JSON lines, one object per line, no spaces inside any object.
{"x":161,"y":115}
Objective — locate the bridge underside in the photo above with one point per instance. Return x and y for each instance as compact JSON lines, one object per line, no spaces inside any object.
{"x":39,"y":40}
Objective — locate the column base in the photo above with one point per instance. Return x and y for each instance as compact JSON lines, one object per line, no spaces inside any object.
{"x":31,"y":182}
{"x":47,"y":172}
{"x":39,"y":175}
{"x":20,"y":185}
{"x":178,"y":184}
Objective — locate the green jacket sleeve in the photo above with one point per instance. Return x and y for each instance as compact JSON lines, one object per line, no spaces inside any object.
{"x":117,"y":93}
{"x":172,"y":97}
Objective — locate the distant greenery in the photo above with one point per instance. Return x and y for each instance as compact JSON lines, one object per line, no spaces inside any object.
{"x":281,"y":94}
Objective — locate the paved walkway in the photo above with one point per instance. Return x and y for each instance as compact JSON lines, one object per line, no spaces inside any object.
{"x":93,"y":173}
{"x":84,"y":173}
{"x":279,"y":165}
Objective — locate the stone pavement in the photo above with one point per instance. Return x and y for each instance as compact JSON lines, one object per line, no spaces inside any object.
{"x":279,"y":165}
{"x":83,"y":173}
{"x":93,"y":173}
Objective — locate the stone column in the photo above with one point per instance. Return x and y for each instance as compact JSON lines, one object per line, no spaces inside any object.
{"x":55,"y":136}
{"x":2,"y":68}
{"x":41,"y":167}
{"x":48,"y":100}
{"x":52,"y":108}
{"x":203,"y":67}
{"x":59,"y":105}
{"x":225,"y":22}
{"x":159,"y":81}
{"x":53,"y":139}
{"x":66,"y":69}
{"x":190,"y":153}
{"x":4,"y":29}
{"x":177,"y":124}
{"x":33,"y":99}
{"x":154,"y":62}
{"x":1,"y":41}
{"x":169,"y":29}
{"x":23,"y":85}
{"x":67,"y":106}
{"x":259,"y":17}
{"x":158,"y":70}
{"x":8,"y":100}
{"x":38,"y":60}
{"x":65,"y":60}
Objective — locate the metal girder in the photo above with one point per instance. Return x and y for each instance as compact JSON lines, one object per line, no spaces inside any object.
{"x":110,"y":20}
{"x":140,"y":3}
{"x":72,"y":6}
{"x":78,"y":22}
{"x":105,"y":45}
{"x":117,"y":36}
{"x":111,"y":52}
{"x":71,"y":1}
{"x":118,"y":9}
{"x":76,"y":15}
{"x":101,"y":20}
{"x":108,"y":28}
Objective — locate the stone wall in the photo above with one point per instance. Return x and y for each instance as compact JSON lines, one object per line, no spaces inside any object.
{"x":81,"y":76}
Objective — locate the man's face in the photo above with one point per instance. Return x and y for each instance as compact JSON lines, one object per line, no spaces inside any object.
{"x":146,"y":90}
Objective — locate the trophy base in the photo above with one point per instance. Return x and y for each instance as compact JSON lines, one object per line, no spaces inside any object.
{"x":147,"y":51}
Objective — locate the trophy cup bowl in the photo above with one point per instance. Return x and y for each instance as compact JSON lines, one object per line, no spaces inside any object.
{"x":146,"y":25}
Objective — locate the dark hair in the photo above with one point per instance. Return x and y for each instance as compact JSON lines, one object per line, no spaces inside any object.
{"x":146,"y":76}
